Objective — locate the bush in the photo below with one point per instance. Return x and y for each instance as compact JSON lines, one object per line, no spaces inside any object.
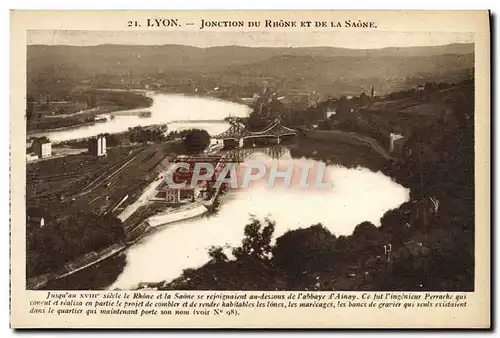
{"x":305,"y":250}
{"x":196,"y":140}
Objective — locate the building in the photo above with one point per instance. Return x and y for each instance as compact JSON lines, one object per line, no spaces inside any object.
{"x":34,"y":222}
{"x":97,"y":146}
{"x":172,"y":195}
{"x":330,"y":112}
{"x":396,"y":143}
{"x":31,"y":157}
{"x":175,"y":196}
{"x":42,"y":147}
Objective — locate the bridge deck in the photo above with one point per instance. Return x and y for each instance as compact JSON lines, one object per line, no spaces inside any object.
{"x":237,"y":132}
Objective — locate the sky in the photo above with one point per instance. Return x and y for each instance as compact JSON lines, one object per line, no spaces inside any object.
{"x":343,"y":39}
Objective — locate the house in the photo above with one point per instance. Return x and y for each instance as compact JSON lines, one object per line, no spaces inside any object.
{"x":176,"y":196}
{"x":97,"y":146}
{"x":35,"y":222}
{"x":396,"y":143}
{"x":31,"y":157}
{"x":330,"y":112}
{"x":172,"y":195}
{"x":42,"y":147}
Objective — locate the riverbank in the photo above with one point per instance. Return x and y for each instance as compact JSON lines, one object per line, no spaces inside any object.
{"x":48,"y":118}
{"x":210,"y":95}
{"x":133,"y":234}
{"x":146,"y":228}
{"x":41,"y":132}
{"x":166,"y":109}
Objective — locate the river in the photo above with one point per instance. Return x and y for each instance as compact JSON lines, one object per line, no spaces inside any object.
{"x":358,"y":194}
{"x":203,"y":113}
{"x":355,"y":197}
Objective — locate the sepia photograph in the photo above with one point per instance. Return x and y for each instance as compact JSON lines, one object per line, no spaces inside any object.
{"x":250,"y":169}
{"x":263,"y":161}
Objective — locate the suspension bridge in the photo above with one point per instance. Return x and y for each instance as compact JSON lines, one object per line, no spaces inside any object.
{"x":238,"y":132}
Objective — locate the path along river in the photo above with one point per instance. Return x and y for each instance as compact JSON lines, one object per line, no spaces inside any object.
{"x":357,"y":195}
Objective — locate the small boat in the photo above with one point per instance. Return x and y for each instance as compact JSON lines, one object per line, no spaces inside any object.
{"x":145,"y":114}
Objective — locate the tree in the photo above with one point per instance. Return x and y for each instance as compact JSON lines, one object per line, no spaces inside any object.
{"x":196,"y":140}
{"x":30,"y":109}
{"x":91,"y":101}
{"x":364,"y":100}
{"x":343,"y":106}
{"x":256,"y":121}
{"x":394,"y":222}
{"x":112,"y":140}
{"x":42,"y":139}
{"x":364,"y":230}
{"x":276,"y":107}
{"x":304,"y":251}
{"x":256,"y":245}
{"x":217,"y":254}
{"x":235,"y":120}
{"x":366,"y":239}
{"x":429,"y":86}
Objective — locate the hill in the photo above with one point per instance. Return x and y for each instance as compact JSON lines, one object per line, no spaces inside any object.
{"x":351,"y":74}
{"x":304,"y":68}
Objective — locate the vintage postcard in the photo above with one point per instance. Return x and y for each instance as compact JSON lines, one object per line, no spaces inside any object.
{"x":260,"y":169}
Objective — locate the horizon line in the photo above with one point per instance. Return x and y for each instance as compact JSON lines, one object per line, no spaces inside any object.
{"x":246,"y":46}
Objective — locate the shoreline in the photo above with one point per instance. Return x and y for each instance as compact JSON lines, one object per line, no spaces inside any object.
{"x":36,"y":133}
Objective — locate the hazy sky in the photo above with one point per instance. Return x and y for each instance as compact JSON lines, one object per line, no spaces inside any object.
{"x":345,"y":39}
